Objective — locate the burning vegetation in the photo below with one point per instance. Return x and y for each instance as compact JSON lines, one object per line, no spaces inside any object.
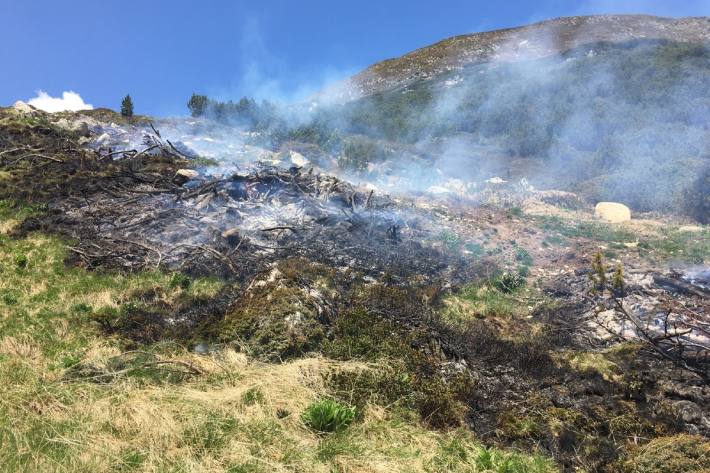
{"x":285,"y":296}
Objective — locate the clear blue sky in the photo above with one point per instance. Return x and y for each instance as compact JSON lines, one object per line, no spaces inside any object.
{"x":162,"y":51}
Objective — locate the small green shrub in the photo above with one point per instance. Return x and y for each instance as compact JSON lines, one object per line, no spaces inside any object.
{"x":598,"y":275}
{"x":476,"y":249}
{"x":508,"y":282}
{"x":71,"y":359}
{"x":358,"y":153}
{"x":9,"y":298}
{"x":252,"y":396}
{"x":388,"y":385}
{"x":21,"y":261}
{"x":451,"y":241}
{"x":328,"y":416}
{"x":358,"y":334}
{"x":523,"y":257}
{"x":515,"y":212}
{"x":180,"y":280}
{"x":274,"y":323}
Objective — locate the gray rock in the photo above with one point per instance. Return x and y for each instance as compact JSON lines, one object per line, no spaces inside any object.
{"x":184,"y":175}
{"x":82,"y":129}
{"x":202,"y":348}
{"x":689,"y":412}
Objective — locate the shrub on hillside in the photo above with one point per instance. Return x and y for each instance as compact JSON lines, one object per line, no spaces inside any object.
{"x":328,"y":416}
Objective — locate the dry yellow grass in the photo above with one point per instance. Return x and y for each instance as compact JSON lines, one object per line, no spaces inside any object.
{"x":209,"y":424}
{"x":58,"y":413}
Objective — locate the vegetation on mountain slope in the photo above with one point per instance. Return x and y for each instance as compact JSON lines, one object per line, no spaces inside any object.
{"x":625,"y":122}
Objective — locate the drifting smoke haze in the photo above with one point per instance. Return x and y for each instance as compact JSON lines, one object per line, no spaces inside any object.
{"x":638,"y":144}
{"x":267,"y":76}
{"x":625,"y":121}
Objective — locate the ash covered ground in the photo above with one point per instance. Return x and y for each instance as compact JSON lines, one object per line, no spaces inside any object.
{"x":302,"y":247}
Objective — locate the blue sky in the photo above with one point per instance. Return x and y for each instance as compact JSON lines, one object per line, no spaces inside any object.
{"x":162,"y":51}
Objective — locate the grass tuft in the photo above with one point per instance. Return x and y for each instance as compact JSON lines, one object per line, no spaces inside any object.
{"x":328,"y":416}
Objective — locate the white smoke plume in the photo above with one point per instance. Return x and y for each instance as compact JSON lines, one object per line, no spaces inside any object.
{"x":69,"y":101}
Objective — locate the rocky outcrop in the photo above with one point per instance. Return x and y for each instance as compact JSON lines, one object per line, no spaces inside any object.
{"x":22,"y":107}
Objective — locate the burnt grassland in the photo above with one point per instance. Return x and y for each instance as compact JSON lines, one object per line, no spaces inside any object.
{"x":128,"y":367}
{"x":603,"y":120}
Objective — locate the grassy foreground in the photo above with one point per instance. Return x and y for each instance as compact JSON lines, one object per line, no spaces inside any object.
{"x":164,"y":408}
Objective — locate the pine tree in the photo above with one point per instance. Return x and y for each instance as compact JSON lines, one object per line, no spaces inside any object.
{"x":198,"y":105}
{"x":127,"y":107}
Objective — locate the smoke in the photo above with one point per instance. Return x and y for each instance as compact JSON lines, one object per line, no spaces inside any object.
{"x":625,"y":121}
{"x":267,"y":76}
{"x":70,"y":101}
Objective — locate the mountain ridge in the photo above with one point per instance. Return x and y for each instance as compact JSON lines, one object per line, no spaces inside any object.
{"x":534,"y":41}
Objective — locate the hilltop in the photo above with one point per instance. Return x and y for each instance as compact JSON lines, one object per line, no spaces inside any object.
{"x":536,"y":41}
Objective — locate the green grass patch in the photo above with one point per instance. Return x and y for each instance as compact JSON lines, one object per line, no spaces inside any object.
{"x":523,"y":257}
{"x":690,"y":247}
{"x":596,"y":231}
{"x":554,"y":240}
{"x":328,"y":416}
{"x":252,"y":396}
{"x":459,"y":452}
{"x":10,"y":210}
{"x":489,"y":301}
{"x":211,"y":434}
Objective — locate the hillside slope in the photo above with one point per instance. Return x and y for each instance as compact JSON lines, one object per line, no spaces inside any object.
{"x":610,"y":107}
{"x":543,"y":39}
{"x":613,"y":107}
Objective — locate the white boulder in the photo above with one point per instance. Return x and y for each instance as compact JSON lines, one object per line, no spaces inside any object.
{"x":612,"y":212}
{"x":297,"y":159}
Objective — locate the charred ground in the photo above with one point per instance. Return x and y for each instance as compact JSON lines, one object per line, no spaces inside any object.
{"x":473,"y":317}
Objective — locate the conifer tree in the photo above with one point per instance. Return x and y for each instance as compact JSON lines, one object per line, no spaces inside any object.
{"x":127,"y":107}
